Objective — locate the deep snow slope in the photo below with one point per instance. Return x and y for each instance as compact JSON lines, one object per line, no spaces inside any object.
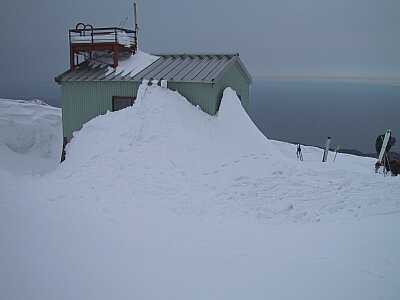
{"x":30,"y":136}
{"x":161,"y":201}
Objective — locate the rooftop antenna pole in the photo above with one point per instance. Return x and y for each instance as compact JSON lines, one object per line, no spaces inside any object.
{"x":136,"y":27}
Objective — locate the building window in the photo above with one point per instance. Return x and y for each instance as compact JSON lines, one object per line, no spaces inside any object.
{"x":121,"y":102}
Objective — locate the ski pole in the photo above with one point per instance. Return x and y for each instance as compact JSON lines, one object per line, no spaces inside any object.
{"x":326,"y":151}
{"x":337,"y":149}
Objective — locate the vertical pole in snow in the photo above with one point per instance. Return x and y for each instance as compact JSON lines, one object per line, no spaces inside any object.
{"x":336,"y":151}
{"x":326,"y":151}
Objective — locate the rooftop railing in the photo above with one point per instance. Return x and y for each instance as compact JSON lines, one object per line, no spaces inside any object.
{"x":87,"y":34}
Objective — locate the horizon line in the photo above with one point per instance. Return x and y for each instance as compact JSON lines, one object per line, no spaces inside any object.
{"x":377,"y":79}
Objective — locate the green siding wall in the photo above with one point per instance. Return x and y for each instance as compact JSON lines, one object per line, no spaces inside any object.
{"x":82,"y":101}
{"x":233,"y":77}
{"x":208,"y":96}
{"x":201,"y":94}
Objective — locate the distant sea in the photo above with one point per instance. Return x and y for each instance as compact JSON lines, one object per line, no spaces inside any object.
{"x":307,"y":111}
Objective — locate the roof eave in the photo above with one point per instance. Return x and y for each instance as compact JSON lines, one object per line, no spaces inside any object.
{"x":60,"y":81}
{"x":59,"y":78}
{"x":195,"y":54}
{"x":242,"y":66}
{"x":237,"y":60}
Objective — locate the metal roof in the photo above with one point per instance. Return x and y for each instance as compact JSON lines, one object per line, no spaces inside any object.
{"x":205,"y":68}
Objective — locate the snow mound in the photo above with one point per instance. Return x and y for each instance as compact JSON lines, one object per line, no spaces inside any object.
{"x":134,"y":64}
{"x":167,"y":152}
{"x":163,"y":125}
{"x":169,"y":148}
{"x":162,"y":201}
{"x":30,"y":136}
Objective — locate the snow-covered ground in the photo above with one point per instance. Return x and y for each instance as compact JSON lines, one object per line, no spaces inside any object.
{"x":162,"y":201}
{"x":30,"y":136}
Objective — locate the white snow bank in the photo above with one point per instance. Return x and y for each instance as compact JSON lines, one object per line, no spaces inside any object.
{"x":162,"y":201}
{"x":30,"y":136}
{"x":64,"y":248}
{"x":185,"y":160}
{"x":165,"y":123}
{"x":134,"y":64}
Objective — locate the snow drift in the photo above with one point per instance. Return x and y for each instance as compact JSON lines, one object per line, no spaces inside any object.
{"x":165,"y":151}
{"x":30,"y":136}
{"x":162,"y":201}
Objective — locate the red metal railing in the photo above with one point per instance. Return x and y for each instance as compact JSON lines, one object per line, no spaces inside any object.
{"x":88,"y":35}
{"x":86,"y":39}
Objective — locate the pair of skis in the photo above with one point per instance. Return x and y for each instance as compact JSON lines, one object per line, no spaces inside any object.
{"x":326,"y":150}
{"x":383,"y":159}
{"x":299,"y":153}
{"x":384,"y":145}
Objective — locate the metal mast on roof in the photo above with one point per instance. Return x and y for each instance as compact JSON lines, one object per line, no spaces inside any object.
{"x":136,"y":27}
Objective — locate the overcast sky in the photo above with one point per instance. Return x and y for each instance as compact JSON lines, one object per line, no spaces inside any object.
{"x":273,"y":37}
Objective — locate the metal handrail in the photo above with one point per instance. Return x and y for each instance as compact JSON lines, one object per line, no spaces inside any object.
{"x":88,"y":39}
{"x":102,"y":28}
{"x":115,"y":35}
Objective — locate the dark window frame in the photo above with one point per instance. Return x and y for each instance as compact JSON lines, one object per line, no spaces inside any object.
{"x":122,"y":97}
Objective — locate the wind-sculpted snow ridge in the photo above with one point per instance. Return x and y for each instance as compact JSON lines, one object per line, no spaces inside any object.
{"x":165,"y":152}
{"x":30,"y":136}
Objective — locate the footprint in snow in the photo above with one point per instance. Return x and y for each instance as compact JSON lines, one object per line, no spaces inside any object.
{"x":241,"y":178}
{"x":277,"y":173}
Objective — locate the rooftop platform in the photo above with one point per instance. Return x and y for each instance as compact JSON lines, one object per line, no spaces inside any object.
{"x":86,"y":39}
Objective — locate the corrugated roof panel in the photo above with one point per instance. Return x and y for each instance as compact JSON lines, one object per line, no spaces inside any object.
{"x":165,"y":73}
{"x":166,"y":63}
{"x":97,"y":71}
{"x":206,"y":75}
{"x":84,"y":72}
{"x":171,"y":67}
{"x":217,"y":70}
{"x":93,"y":73}
{"x":113,"y":76}
{"x":154,"y":65}
{"x":195,"y":68}
{"x":187,"y":67}
{"x":211,"y":66}
{"x":105,"y":76}
{"x":206,"y":62}
{"x":185,"y":61}
{"x":69,"y":75}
